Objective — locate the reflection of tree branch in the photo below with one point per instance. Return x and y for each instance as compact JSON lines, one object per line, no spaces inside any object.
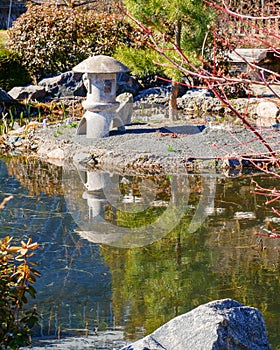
{"x":4,"y":202}
{"x":269,"y":233}
{"x":267,"y":192}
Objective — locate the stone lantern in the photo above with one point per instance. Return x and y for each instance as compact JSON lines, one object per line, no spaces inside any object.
{"x":99,"y":76}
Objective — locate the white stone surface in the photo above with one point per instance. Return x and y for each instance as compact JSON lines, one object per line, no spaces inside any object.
{"x":218,"y":325}
{"x":267,"y":113}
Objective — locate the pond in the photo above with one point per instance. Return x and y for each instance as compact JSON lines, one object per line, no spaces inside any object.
{"x":131,"y":252}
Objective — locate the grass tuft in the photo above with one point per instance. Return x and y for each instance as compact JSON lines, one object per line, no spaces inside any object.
{"x":3,"y":39}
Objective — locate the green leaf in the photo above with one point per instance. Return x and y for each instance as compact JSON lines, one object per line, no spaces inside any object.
{"x":32,"y":291}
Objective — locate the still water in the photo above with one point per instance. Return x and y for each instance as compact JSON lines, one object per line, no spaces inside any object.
{"x":131,"y":252}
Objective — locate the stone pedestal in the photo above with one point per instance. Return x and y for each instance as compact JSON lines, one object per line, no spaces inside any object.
{"x":95,"y":124}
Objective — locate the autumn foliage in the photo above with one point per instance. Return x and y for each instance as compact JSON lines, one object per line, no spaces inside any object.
{"x":17,"y":276}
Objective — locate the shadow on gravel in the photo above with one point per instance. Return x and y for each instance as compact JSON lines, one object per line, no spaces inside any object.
{"x":177,"y":129}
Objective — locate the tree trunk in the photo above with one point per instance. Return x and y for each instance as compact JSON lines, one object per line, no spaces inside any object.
{"x":173,"y":108}
{"x":178,"y":33}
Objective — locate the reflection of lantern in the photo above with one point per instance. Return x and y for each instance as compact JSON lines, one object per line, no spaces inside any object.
{"x":99,"y":77}
{"x":94,"y":184}
{"x":100,"y":215}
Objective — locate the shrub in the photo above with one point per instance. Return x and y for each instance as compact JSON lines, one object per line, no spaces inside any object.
{"x":141,"y":62}
{"x":51,"y":39}
{"x":16,"y":279}
{"x":12,"y":72}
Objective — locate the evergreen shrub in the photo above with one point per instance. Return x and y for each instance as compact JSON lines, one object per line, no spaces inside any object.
{"x":142,"y":62}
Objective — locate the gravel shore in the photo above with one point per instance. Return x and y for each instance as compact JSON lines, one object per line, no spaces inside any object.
{"x":158,"y":147}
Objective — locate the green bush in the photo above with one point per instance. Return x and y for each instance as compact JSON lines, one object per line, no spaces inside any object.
{"x":12,"y":72}
{"x":52,"y":39}
{"x":141,"y":62}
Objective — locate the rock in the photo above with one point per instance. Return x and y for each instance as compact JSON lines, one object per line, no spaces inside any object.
{"x":198,"y":93}
{"x":57,"y":153}
{"x":124,"y":111}
{"x":13,"y":141}
{"x":158,"y":93}
{"x":18,"y":143}
{"x":220,"y":324}
{"x":4,"y":97}
{"x":126,"y":83}
{"x":67,"y":84}
{"x":29,"y":92}
{"x":70,"y":84}
{"x":267,"y":113}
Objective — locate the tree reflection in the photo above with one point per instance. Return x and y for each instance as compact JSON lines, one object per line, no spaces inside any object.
{"x":181,"y":270}
{"x":223,"y":259}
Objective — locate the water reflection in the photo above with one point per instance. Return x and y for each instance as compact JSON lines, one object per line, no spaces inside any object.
{"x":126,"y":211}
{"x":74,"y":289}
{"x":85,"y":284}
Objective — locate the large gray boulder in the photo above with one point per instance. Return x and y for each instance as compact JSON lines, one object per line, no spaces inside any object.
{"x":5,"y":101}
{"x":4,"y":97}
{"x":67,"y":84}
{"x":126,"y":83}
{"x":218,"y":325}
{"x":29,"y":92}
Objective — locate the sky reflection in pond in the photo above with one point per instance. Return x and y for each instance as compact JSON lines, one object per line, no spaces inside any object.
{"x":84,"y":283}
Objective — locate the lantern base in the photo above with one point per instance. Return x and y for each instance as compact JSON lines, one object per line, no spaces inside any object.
{"x":95,"y":125}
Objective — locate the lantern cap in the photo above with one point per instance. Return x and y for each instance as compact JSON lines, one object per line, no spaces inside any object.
{"x":100,"y":64}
